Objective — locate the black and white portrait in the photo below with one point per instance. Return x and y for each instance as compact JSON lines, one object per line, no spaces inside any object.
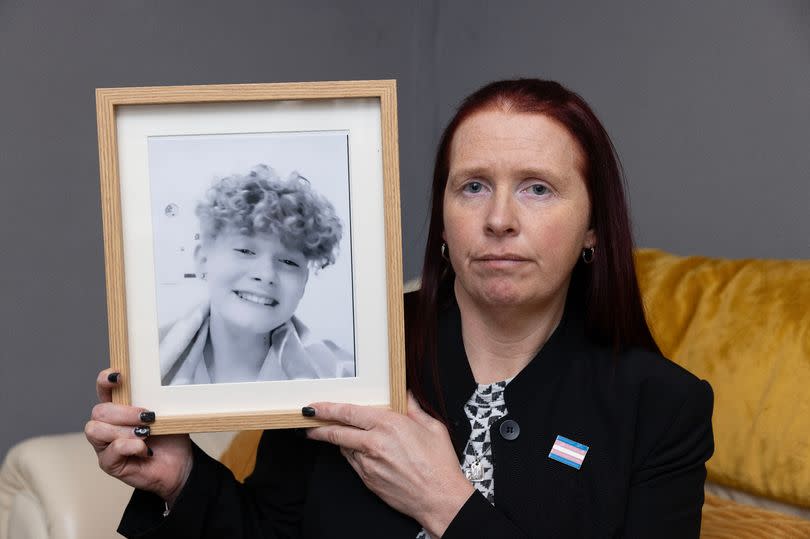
{"x":252,"y":257}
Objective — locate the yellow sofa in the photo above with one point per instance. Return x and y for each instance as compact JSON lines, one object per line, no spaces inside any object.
{"x":743,"y":325}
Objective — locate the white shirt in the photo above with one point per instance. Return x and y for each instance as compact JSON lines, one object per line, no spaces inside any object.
{"x":294,"y":353}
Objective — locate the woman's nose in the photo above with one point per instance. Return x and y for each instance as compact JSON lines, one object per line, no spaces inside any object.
{"x":501,"y":218}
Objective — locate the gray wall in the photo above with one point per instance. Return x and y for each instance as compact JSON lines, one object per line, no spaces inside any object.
{"x":708,"y":105}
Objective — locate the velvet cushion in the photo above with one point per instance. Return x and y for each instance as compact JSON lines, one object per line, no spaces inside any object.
{"x":240,"y":457}
{"x":724,"y":519}
{"x":743,"y":325}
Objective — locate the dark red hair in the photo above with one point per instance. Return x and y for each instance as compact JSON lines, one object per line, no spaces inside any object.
{"x":606,"y":291}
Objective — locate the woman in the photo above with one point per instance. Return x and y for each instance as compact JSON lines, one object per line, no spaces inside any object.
{"x":259,"y":237}
{"x":550,"y":412}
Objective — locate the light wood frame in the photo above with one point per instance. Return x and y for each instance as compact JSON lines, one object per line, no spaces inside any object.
{"x":109,"y":100}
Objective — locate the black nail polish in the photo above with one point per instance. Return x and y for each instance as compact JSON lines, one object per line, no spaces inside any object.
{"x":300,"y":433}
{"x":308,"y":411}
{"x":148,"y":417}
{"x":142,"y":432}
{"x":150,"y":452}
{"x":113,"y":377}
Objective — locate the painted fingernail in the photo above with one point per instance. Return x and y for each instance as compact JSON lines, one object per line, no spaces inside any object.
{"x":148,"y":417}
{"x":300,"y":433}
{"x":113,"y":377}
{"x":308,"y":411}
{"x":150,"y":452}
{"x":142,"y":432}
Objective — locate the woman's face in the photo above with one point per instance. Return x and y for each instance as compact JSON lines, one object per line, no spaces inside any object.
{"x":255,"y":282}
{"x":516,"y":209}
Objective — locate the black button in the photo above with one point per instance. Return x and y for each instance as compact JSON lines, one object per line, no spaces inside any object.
{"x":510,"y":429}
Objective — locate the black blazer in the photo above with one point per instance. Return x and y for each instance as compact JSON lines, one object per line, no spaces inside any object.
{"x":646,"y":422}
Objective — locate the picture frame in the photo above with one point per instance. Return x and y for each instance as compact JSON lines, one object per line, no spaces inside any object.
{"x":158,"y":145}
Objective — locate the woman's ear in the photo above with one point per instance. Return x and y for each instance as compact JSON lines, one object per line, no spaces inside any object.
{"x":590,"y":239}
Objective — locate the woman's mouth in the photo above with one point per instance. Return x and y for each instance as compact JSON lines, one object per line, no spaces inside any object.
{"x":501,"y":256}
{"x":255,"y":298}
{"x":501,"y":260}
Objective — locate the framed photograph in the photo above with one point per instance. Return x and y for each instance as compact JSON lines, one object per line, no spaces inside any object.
{"x":252,"y":250}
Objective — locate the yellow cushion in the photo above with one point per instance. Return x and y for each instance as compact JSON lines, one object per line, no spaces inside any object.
{"x":724,"y":519}
{"x":743,"y":325}
{"x":240,"y":456}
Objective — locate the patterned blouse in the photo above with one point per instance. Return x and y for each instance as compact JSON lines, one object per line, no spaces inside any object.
{"x":483,"y":408}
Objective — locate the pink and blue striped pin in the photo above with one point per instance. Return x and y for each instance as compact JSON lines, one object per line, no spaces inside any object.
{"x":568,"y":452}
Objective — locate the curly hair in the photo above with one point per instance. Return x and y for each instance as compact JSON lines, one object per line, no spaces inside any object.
{"x":260,"y":202}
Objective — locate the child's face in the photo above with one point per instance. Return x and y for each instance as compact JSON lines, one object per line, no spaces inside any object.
{"x":255,"y":281}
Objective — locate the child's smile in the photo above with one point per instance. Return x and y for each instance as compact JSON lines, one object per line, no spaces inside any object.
{"x":255,"y":282}
{"x":255,"y":298}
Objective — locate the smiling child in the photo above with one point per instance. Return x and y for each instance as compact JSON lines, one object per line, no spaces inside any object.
{"x":260,"y":237}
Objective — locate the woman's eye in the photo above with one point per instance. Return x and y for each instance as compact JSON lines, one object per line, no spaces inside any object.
{"x":474,"y":187}
{"x":289,"y":262}
{"x":245,"y":251}
{"x":538,"y":189}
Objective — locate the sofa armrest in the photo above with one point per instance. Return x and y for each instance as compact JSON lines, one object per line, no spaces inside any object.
{"x":59,"y":476}
{"x":52,"y":488}
{"x":26,"y":518}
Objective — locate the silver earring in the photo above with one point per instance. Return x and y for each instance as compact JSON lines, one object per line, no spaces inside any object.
{"x":444,"y":251}
{"x":588,"y":254}
{"x":203,"y":275}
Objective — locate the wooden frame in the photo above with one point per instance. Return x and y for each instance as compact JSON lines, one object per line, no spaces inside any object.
{"x":111,"y":105}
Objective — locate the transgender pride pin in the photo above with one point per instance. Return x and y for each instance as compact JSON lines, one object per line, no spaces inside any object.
{"x":568,"y":452}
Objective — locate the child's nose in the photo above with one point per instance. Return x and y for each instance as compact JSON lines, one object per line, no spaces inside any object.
{"x":264,"y":271}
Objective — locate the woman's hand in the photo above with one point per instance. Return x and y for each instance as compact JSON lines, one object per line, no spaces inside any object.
{"x":407,"y":460}
{"x":119,"y":434}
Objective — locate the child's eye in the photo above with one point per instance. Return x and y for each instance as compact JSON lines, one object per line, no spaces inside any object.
{"x":290,"y":262}
{"x":474,"y":187}
{"x":245,"y":251}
